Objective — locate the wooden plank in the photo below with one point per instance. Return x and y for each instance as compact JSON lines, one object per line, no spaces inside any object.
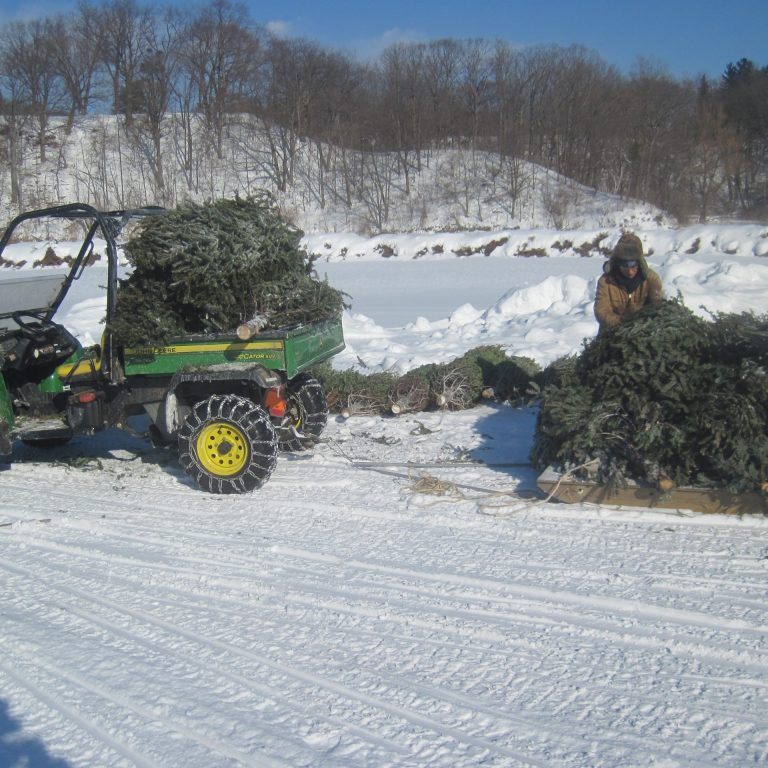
{"x":707,"y":500}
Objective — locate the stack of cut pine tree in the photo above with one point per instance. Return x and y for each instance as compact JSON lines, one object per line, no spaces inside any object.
{"x":485,"y":372}
{"x":208,"y":268}
{"x":665,"y":397}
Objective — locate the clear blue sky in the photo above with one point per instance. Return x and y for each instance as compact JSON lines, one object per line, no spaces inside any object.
{"x":687,"y":37}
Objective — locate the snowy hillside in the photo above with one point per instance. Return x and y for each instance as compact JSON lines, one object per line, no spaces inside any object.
{"x":102,"y":164}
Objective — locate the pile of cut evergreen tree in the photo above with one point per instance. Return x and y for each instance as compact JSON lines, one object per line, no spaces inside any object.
{"x":485,"y":372}
{"x":664,"y":397}
{"x":207,"y":268}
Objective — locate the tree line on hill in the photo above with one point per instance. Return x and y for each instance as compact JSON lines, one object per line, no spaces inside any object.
{"x":184,"y":81}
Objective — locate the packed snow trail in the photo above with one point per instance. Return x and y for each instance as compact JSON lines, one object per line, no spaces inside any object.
{"x":344,"y":616}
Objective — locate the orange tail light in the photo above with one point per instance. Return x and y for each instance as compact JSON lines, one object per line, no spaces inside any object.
{"x":274,"y":402}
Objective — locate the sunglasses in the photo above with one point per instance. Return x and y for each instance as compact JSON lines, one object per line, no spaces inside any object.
{"x":629,"y":264}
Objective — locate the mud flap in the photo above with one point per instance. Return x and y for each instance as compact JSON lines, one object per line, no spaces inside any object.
{"x":45,"y":432}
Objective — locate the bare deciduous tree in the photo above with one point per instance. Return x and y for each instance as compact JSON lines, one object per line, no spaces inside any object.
{"x":221,"y":54}
{"x":13,"y":124}
{"x":205,"y":88}
{"x":403,"y":96}
{"x":155,"y":84}
{"x":475,"y":78}
{"x":657,"y":110}
{"x":441,"y":80}
{"x":25,"y":51}
{"x":75,"y":55}
{"x":124,"y":27}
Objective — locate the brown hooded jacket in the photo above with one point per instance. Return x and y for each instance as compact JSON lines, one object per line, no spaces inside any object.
{"x":614,"y":301}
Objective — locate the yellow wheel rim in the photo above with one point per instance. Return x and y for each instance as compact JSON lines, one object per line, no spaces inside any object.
{"x":222,"y":449}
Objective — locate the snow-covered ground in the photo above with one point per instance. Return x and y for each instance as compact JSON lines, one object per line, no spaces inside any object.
{"x":398,"y":596}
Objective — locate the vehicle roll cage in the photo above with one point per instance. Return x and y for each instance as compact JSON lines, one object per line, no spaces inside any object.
{"x":104,"y":224}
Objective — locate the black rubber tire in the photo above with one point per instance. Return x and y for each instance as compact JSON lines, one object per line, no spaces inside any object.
{"x":307,"y":413}
{"x":206,"y":441}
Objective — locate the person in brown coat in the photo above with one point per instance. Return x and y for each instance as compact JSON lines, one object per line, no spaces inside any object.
{"x":627,"y":285}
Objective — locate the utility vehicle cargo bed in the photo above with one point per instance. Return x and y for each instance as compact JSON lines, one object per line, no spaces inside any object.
{"x":292,"y":349}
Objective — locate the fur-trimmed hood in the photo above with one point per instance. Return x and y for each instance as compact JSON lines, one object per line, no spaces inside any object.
{"x":629,"y":247}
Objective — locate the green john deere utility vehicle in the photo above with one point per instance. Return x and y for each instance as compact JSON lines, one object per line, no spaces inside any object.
{"x":231,"y":401}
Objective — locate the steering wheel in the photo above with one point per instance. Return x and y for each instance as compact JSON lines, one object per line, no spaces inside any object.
{"x":32,"y":330}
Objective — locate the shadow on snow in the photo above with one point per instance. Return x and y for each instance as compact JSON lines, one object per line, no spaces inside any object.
{"x":17,"y":750}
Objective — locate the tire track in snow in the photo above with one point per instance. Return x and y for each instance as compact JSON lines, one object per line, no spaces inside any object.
{"x":168,"y":524}
{"x":532,"y":723}
{"x":308,"y":678}
{"x":149,"y":715}
{"x":92,"y":620}
{"x":112,"y":744}
{"x":336,"y":607}
{"x":305,"y":580}
{"x":543,"y":594}
{"x":223,"y":669}
{"x":557,"y":609}
{"x":470,"y":704}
